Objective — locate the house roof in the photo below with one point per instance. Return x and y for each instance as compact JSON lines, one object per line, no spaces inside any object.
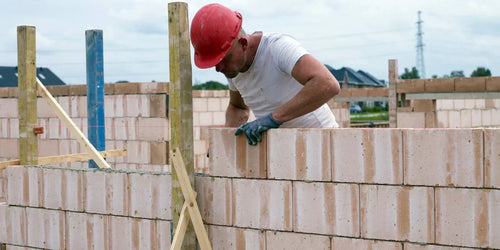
{"x":8,"y":76}
{"x":360,"y":77}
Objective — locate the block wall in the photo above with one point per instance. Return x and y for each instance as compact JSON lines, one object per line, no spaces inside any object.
{"x":450,"y":113}
{"x":298,"y":189}
{"x":469,"y":113}
{"x":341,"y":112}
{"x":136,"y":120}
{"x":354,"y":189}
{"x":80,"y":208}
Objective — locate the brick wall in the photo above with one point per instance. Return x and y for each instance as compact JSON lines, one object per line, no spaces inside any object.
{"x":136,"y":120}
{"x":450,"y":113}
{"x":298,"y":189}
{"x":468,"y":113}
{"x":354,"y":188}
{"x":73,"y":208}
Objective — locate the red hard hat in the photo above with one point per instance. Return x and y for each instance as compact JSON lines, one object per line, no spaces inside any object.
{"x":214,"y":30}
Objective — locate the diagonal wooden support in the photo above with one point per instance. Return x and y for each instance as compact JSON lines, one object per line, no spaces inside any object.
{"x":180,"y":231}
{"x":190,"y":205}
{"x":75,"y":131}
{"x":66,"y":158}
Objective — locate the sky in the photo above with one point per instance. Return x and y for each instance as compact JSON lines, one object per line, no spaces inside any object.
{"x":360,"y":34}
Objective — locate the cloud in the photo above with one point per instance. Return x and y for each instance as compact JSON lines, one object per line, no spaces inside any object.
{"x":364,"y":34}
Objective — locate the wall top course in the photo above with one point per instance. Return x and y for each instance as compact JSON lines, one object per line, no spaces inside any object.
{"x":210,"y":93}
{"x":126,"y":171}
{"x":447,"y":169}
{"x":459,"y":84}
{"x":110,"y":89}
{"x":116,"y":89}
{"x":358,"y":92}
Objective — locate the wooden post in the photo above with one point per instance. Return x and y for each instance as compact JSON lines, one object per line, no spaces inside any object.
{"x":393,"y":96}
{"x":190,"y":205}
{"x":26,"y":71}
{"x":95,"y":91}
{"x":181,"y":106}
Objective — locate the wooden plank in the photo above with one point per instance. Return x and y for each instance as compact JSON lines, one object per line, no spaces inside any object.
{"x":66,"y":158}
{"x":181,"y":106}
{"x":95,"y":90}
{"x":75,"y":131}
{"x":199,"y":227}
{"x":27,"y":106}
{"x":180,"y":231}
{"x":453,"y":95}
{"x":190,"y":199}
{"x":393,"y":96}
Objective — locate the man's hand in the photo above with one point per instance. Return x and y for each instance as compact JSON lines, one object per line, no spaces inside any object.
{"x":254,"y":129}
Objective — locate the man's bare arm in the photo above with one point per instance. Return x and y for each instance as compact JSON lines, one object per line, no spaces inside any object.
{"x":319,"y":87}
{"x":237,"y":112}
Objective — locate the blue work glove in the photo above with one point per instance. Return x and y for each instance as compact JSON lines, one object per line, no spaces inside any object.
{"x":254,"y":129}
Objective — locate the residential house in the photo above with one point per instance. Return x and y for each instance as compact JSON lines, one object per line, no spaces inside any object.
{"x":349,"y":78}
{"x":8,"y":77}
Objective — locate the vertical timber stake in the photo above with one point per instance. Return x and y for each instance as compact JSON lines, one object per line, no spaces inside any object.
{"x":181,"y":106}
{"x":393,"y":95}
{"x":26,"y":71}
{"x":95,"y":91}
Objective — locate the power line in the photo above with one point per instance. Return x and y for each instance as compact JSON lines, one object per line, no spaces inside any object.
{"x":83,"y":50}
{"x":363,"y":45}
{"x":354,"y":34}
{"x":166,"y":49}
{"x":105,"y":63}
{"x":374,"y":56}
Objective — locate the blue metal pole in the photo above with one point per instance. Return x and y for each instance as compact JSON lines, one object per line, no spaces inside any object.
{"x":95,"y":91}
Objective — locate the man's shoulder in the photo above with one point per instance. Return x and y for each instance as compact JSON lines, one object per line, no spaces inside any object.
{"x":274,"y":36}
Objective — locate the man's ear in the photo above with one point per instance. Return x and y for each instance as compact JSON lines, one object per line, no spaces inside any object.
{"x":244,"y":42}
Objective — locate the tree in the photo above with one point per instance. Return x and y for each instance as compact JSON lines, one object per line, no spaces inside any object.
{"x":210,"y":85}
{"x":481,"y":71}
{"x":413,"y":74}
{"x":457,"y":73}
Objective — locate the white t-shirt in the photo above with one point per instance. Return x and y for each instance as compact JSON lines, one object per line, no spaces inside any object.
{"x":268,"y":83}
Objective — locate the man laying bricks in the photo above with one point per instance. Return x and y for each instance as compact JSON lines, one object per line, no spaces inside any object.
{"x":269,"y":73}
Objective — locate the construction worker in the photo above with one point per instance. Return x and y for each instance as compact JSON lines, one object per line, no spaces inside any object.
{"x":269,"y":73}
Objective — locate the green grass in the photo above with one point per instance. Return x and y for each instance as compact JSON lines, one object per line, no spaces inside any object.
{"x":366,"y":116}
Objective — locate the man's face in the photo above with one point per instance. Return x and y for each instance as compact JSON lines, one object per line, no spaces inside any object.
{"x":233,"y":62}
